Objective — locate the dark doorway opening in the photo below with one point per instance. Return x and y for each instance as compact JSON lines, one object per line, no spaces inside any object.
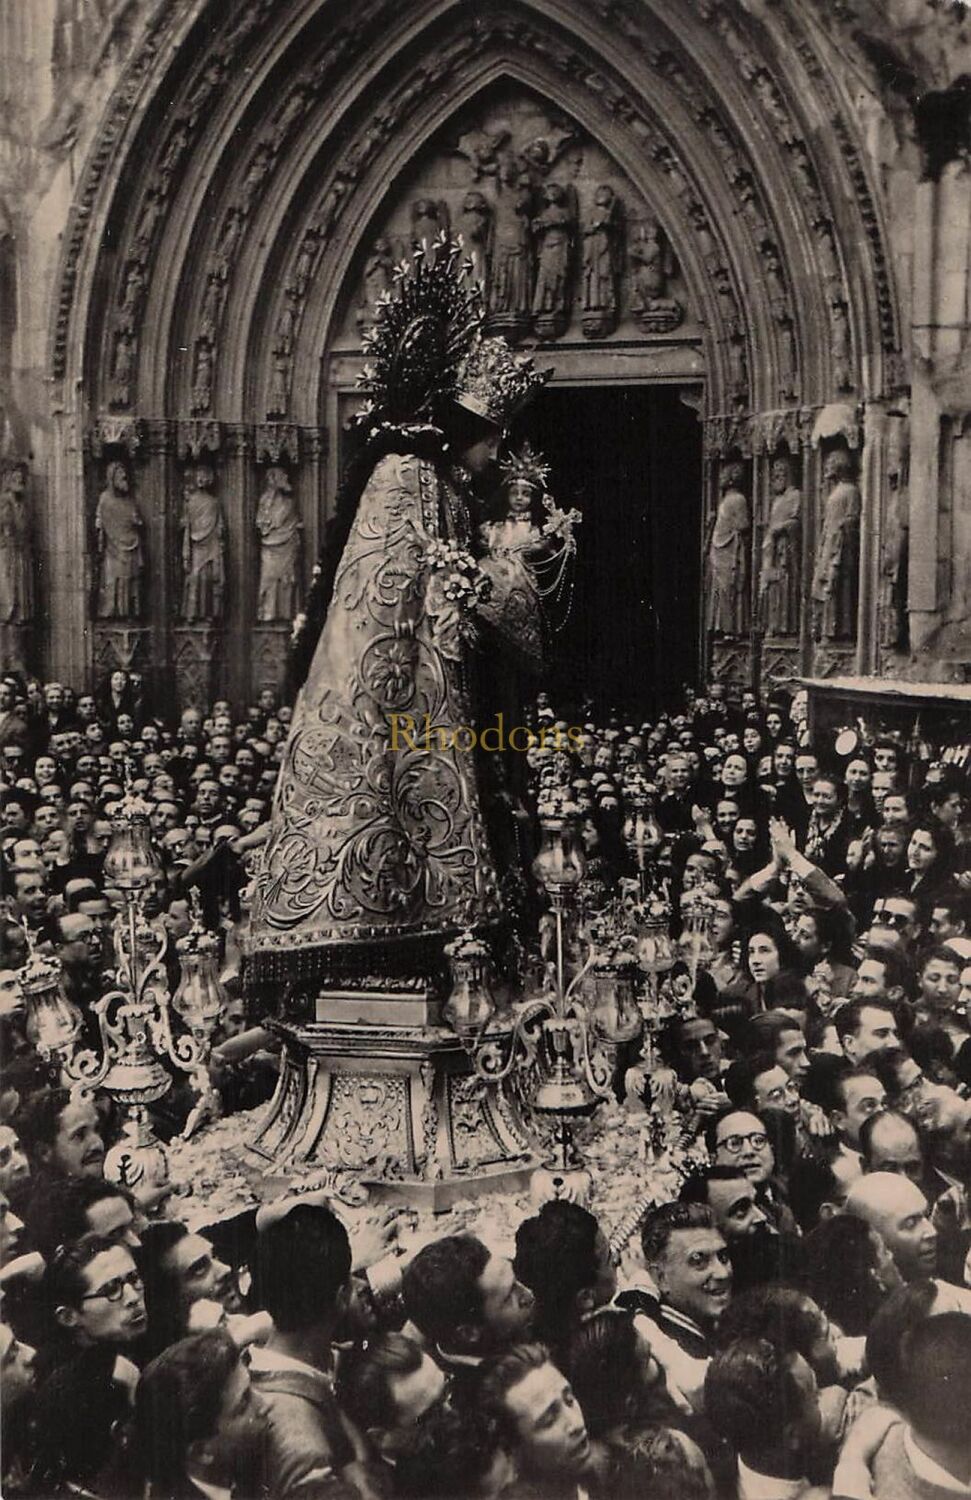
{"x":630,"y":458}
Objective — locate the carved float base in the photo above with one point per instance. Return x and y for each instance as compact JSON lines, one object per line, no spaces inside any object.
{"x":396,"y":1102}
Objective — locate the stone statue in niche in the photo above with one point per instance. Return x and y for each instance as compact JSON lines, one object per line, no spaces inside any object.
{"x":279,"y":525}
{"x":147,"y":221}
{"x":122,"y":368}
{"x":212,"y":307}
{"x":121,"y":558}
{"x":375,"y":281}
{"x":510,"y":275}
{"x":201,"y":398}
{"x":279,"y":396}
{"x":894,"y":551}
{"x":203,"y":548}
{"x":781,"y":569}
{"x":652,"y":264}
{"x":601,"y":263}
{"x":728,"y":556}
{"x":228,"y":241}
{"x":131,"y":295}
{"x":839,"y":327}
{"x":304,"y":265}
{"x":835,"y":585}
{"x":554,"y":228}
{"x":476,"y":226}
{"x":16,"y":563}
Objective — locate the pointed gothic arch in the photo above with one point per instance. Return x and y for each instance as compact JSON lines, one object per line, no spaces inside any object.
{"x":249,"y":153}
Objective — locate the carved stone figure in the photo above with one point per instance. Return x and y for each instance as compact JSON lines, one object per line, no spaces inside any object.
{"x":228,"y":241}
{"x":279,"y":397}
{"x":203,"y":548}
{"x":212,"y":307}
{"x":780,"y":574}
{"x":554,"y":227}
{"x":148,"y":219}
{"x":510,"y":273}
{"x":256,"y":174}
{"x":835,"y":583}
{"x":375,"y":281}
{"x":652,"y":265}
{"x":304,"y":264}
{"x":16,"y":561}
{"x":728,"y":557}
{"x":601,"y":262}
{"x":202,"y":377}
{"x":122,"y":368}
{"x":839,"y":326}
{"x":477,"y":233}
{"x":279,"y":525}
{"x":118,"y":527}
{"x":131,"y":297}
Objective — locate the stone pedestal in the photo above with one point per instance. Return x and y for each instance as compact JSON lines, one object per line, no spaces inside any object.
{"x":375,"y":1085}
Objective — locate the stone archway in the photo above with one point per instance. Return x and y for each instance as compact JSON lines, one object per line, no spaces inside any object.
{"x":248,"y":163}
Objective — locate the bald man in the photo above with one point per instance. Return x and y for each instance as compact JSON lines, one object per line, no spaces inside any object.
{"x":897,"y":1209}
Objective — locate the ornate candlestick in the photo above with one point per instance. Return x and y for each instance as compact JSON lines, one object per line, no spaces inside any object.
{"x":134,"y":1019}
{"x":53,"y":1022}
{"x":641,"y":831}
{"x":470,"y":1005}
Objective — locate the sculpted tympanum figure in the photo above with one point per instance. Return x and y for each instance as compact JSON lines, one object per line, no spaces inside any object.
{"x":600,"y":263}
{"x":835,"y":587}
{"x":279,"y":525}
{"x":781,"y":570}
{"x":728,"y":557}
{"x":554,"y":228}
{"x":509,"y":272}
{"x":118,"y":527}
{"x":203,"y":548}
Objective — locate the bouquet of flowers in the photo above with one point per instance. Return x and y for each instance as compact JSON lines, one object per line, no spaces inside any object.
{"x":456,"y":586}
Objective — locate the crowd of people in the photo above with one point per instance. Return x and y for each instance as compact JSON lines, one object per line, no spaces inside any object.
{"x":797,"y":1322}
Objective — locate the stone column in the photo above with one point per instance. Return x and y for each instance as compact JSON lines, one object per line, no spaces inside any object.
{"x":65,"y":588}
{"x":159,"y":501}
{"x":873,"y":481}
{"x":237,"y":492}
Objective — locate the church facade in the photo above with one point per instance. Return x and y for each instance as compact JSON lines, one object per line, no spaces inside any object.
{"x":763,"y":206}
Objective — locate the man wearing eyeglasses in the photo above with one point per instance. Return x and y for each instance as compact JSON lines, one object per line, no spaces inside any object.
{"x":738,"y":1138}
{"x":98,"y":1302}
{"x":97,"y":1293}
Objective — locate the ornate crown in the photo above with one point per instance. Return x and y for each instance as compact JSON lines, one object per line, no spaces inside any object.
{"x":526,"y":464}
{"x":494,"y":382}
{"x":424,"y":328}
{"x":41,"y":972}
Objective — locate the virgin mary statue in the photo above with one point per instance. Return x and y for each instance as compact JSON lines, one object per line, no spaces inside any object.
{"x":377,"y":852}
